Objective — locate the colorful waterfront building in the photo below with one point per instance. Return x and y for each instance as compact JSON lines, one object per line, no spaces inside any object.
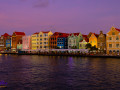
{"x":8,"y":43}
{"x":16,"y":40}
{"x":43,"y":38}
{"x":3,"y":39}
{"x":93,"y":39}
{"x":19,"y":44}
{"x":113,"y":41}
{"x":83,"y":42}
{"x":74,"y":39}
{"x":35,"y":41}
{"x":101,"y":42}
{"x":53,"y":40}
{"x":62,"y":41}
{"x":26,"y":42}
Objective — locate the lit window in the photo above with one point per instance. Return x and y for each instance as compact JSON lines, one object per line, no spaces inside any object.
{"x":110,"y":45}
{"x":113,"y":33}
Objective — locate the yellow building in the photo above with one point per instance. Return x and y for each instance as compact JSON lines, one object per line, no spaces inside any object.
{"x":113,"y":41}
{"x":93,"y":39}
{"x":44,"y":39}
{"x":35,"y":41}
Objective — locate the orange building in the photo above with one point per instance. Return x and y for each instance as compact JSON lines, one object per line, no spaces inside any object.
{"x":113,"y":41}
{"x":93,"y":39}
{"x":16,"y":37}
{"x":53,"y":40}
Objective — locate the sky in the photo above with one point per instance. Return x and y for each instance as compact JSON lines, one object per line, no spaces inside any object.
{"x":67,"y":16}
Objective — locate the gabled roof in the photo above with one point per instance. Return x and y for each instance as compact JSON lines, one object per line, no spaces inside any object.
{"x":64,"y":35}
{"x":75,"y":34}
{"x":5,"y":35}
{"x":96,"y":34}
{"x":45,"y":31}
{"x":57,"y":33}
{"x":19,"y":33}
{"x":86,"y":39}
{"x":36,"y":33}
{"x":84,"y":35}
{"x":117,"y":29}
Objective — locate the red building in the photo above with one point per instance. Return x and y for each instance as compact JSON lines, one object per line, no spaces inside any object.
{"x":53,"y":40}
{"x":16,"y":38}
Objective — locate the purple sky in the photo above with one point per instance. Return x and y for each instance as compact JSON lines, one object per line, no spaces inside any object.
{"x":59,"y":15}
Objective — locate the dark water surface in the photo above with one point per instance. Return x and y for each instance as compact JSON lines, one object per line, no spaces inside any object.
{"x":59,"y":73}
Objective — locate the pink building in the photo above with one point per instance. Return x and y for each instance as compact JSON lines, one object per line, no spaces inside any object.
{"x":26,"y":41}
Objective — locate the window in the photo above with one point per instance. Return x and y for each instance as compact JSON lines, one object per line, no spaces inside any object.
{"x":40,"y":46}
{"x":110,"y":45}
{"x":94,"y":41}
{"x":117,"y":38}
{"x":80,"y":45}
{"x":110,"y":38}
{"x":40,"y":35}
{"x":37,"y":35}
{"x":91,"y":42}
{"x":45,"y":34}
{"x":117,"y":45}
{"x":113,"y":33}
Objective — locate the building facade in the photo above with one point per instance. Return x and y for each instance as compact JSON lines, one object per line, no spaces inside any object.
{"x":82,"y":43}
{"x":101,"y":43}
{"x":62,"y":41}
{"x":74,"y":39}
{"x":16,"y":39}
{"x":26,"y":42}
{"x":9,"y":43}
{"x":53,"y":40}
{"x":93,"y":39}
{"x":44,"y":42}
{"x":3,"y":39}
{"x":35,"y":41}
{"x":113,"y":41}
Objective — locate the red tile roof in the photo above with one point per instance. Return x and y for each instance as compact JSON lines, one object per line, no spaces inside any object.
{"x":75,"y":34}
{"x":117,"y":29}
{"x":96,"y":34}
{"x":19,"y":33}
{"x":86,"y":39}
{"x":64,"y":35}
{"x":36,"y":33}
{"x":45,"y":31}
{"x":5,"y":35}
{"x":84,"y":35}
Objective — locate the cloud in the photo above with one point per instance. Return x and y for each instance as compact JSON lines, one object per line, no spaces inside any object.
{"x":41,"y":3}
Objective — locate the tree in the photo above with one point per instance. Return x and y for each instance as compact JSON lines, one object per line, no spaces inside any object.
{"x":88,"y":46}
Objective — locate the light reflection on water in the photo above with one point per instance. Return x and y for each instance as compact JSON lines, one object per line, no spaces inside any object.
{"x":59,"y":73}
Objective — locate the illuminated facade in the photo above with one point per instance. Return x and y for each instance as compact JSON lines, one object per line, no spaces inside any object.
{"x":74,"y":39}
{"x":53,"y":40}
{"x":113,"y":41}
{"x":35,"y":41}
{"x":82,"y":43}
{"x":101,"y":42}
{"x":93,"y":39}
{"x":16,"y":40}
{"x":44,"y":39}
{"x":3,"y":39}
{"x":26,"y":42}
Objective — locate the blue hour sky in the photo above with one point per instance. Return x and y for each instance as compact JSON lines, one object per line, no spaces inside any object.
{"x":68,"y":16}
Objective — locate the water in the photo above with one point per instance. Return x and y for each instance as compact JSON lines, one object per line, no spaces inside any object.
{"x":59,"y":73}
